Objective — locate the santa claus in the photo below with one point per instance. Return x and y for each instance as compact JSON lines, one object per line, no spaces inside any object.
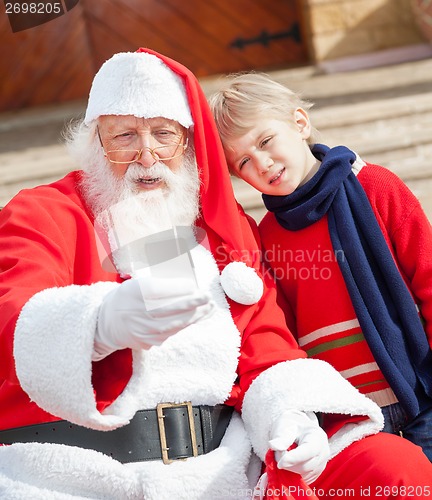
{"x":143,"y":354}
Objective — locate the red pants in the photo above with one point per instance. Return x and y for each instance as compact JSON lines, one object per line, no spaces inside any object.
{"x":380,"y":466}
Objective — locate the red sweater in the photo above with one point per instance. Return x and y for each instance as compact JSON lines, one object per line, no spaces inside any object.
{"x":319,"y":307}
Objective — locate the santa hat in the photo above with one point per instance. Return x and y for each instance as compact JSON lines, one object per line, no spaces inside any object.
{"x":140,"y":85}
{"x":147,"y":84}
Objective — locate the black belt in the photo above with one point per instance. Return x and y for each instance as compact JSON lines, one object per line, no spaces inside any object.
{"x":170,"y":432}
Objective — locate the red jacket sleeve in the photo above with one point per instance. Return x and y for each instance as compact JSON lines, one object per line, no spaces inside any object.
{"x":40,"y":249}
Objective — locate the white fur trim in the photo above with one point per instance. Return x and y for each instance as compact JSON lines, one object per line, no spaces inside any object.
{"x":53,"y":345}
{"x":57,"y":472}
{"x":54,"y":342}
{"x":138,"y":84}
{"x":241,"y":283}
{"x":306,"y":385}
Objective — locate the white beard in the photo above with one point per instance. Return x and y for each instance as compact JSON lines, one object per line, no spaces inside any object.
{"x":128,"y":215}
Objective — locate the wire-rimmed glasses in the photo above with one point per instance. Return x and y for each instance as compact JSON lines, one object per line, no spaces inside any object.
{"x":159,"y":153}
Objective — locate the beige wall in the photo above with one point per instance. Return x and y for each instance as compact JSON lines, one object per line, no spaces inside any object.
{"x":341,"y":28}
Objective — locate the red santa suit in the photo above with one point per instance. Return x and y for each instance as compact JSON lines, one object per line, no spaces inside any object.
{"x":52,"y":284}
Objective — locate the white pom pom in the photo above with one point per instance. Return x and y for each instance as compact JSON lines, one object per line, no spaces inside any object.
{"x":241,"y":283}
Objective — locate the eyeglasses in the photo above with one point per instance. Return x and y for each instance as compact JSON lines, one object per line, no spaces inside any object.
{"x":160,"y":153}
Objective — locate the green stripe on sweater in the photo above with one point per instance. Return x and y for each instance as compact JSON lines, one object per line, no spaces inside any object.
{"x":334,"y":344}
{"x":379,"y":381}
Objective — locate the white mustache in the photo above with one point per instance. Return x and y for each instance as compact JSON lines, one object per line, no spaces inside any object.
{"x":136,"y":171}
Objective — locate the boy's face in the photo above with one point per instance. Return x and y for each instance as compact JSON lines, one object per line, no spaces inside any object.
{"x":274,"y":156}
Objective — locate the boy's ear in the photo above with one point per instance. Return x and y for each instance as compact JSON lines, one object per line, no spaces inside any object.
{"x":303,"y":123}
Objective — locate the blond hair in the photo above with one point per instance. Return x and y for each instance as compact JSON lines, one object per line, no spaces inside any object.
{"x":245,"y":97}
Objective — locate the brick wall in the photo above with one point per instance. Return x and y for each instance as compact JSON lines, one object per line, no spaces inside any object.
{"x":341,"y":28}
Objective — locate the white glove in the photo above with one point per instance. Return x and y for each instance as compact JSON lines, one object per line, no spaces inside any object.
{"x":310,"y":457}
{"x":144,"y":312}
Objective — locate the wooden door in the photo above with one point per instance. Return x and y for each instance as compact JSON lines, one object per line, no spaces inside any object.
{"x":46,"y":64}
{"x":56,"y":61}
{"x":208,"y":36}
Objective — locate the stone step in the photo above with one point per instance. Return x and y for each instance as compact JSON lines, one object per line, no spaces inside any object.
{"x":360,"y":86}
{"x":409,"y":136}
{"x":10,"y":190}
{"x":330,"y":89}
{"x":350,"y":114}
{"x":34,"y":163}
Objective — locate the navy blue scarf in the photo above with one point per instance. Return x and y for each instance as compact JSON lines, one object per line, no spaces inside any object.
{"x":384,"y":306}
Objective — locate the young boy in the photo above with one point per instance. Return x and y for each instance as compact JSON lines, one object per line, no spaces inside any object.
{"x":348,"y":244}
